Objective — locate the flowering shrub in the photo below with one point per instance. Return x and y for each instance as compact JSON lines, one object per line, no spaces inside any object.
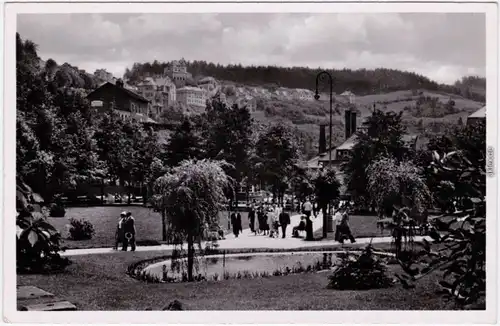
{"x":81,"y":229}
{"x":360,"y":273}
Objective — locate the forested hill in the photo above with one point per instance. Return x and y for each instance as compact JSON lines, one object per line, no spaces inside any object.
{"x":361,"y":81}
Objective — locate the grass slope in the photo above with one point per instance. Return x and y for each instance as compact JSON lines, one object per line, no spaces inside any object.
{"x":104,"y":219}
{"x":307,"y":115}
{"x":99,"y":282}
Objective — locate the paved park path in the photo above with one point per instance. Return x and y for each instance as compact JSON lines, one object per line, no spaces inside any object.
{"x":248,"y":240}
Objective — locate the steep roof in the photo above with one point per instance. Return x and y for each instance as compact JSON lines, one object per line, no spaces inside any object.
{"x":481,"y":113}
{"x":206,"y":80}
{"x":190,"y":88}
{"x":125,"y":91}
{"x":349,"y":143}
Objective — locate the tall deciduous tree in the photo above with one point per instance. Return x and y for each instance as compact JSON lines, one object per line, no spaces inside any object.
{"x":147,"y":149}
{"x":277,"y":153}
{"x":383,"y":138}
{"x":184,"y":144}
{"x":229,"y":136}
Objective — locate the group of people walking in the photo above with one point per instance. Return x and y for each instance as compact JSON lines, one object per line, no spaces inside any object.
{"x":125,"y":232}
{"x":265,"y":219}
{"x":272,"y":220}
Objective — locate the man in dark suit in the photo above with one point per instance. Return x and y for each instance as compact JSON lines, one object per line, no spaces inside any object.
{"x":129,"y":229}
{"x":284,"y":220}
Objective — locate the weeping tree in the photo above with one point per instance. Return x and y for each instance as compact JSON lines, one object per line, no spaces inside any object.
{"x":399,"y":184}
{"x":191,"y":195}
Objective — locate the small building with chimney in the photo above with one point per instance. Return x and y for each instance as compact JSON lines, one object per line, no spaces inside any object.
{"x":349,"y":96}
{"x":342,"y":153}
{"x":479,"y":115}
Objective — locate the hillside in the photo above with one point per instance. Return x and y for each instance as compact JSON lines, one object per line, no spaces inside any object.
{"x":361,"y":81}
{"x":424,"y":112}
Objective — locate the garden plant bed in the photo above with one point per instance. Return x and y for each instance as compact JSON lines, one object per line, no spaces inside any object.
{"x":99,"y":282}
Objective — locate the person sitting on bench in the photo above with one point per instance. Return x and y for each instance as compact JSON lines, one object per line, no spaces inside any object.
{"x":300,"y":227}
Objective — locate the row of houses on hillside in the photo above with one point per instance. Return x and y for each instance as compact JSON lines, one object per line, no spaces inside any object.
{"x":283,"y":93}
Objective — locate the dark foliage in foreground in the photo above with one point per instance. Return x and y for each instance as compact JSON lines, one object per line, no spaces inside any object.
{"x":462,"y":235}
{"x":360,"y":273}
{"x":38,"y":242}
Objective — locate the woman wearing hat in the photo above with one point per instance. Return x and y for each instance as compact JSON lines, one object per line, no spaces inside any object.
{"x":119,"y":230}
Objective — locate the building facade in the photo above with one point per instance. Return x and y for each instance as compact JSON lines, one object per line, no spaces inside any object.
{"x":349,"y":96}
{"x":124,"y":102}
{"x":209,"y":84}
{"x":192,"y":96}
{"x":147,"y":89}
{"x":177,"y":72}
{"x":479,"y":115}
{"x":303,"y":94}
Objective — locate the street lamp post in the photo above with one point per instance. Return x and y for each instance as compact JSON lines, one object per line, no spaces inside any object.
{"x":323,"y":75}
{"x":326,"y":75}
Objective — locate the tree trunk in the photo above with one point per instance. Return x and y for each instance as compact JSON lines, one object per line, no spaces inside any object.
{"x":102,"y":191}
{"x":129,"y":188}
{"x":325,"y":221}
{"x":190,"y":243}
{"x":309,"y":229}
{"x":163,"y":225}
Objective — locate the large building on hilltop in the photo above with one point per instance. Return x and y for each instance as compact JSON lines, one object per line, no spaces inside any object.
{"x":177,"y":71}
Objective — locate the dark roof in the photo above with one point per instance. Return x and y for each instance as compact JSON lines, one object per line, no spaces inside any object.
{"x":127,"y":92}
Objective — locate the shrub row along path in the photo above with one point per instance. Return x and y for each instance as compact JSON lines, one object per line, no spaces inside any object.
{"x":248,"y":240}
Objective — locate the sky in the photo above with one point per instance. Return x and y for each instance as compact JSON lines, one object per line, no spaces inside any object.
{"x":441,"y":46}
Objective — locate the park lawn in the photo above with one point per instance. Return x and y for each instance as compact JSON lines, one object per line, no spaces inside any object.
{"x":362,"y":226}
{"x":99,"y":282}
{"x":105,"y":218}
